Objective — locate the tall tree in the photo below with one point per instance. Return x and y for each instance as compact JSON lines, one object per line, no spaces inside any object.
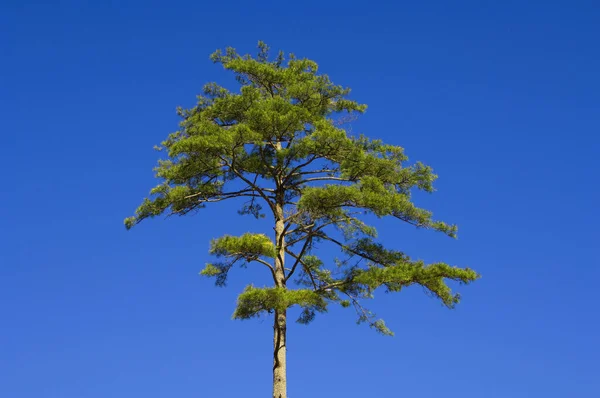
{"x":278,"y":145}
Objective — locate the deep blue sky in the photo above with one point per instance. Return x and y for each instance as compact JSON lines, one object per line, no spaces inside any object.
{"x":500,"y":97}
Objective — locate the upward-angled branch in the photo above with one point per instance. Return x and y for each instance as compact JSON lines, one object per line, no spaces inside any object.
{"x":259,"y":190}
{"x":298,"y":258}
{"x":306,"y":245}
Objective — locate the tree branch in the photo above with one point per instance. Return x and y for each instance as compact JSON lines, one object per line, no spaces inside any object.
{"x":304,"y":266}
{"x":256,"y":187}
{"x":302,"y":251}
{"x":324,"y":178}
{"x":346,"y":247}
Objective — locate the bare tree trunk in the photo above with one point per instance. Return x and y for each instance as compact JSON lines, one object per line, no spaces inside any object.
{"x":279,"y":360}
{"x":280,"y":323}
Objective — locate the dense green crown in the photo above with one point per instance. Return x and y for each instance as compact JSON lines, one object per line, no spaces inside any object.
{"x":277,"y":144}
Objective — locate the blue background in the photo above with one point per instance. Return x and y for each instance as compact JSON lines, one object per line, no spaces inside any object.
{"x":500,"y":98}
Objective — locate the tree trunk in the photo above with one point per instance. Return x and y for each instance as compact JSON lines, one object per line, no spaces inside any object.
{"x":280,"y":323}
{"x":279,"y":356}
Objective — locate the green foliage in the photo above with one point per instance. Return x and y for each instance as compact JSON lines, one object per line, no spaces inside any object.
{"x":372,"y":194}
{"x":218,"y":271}
{"x":280,"y":147}
{"x":395,"y":277}
{"x":253,"y":301}
{"x":248,"y":246}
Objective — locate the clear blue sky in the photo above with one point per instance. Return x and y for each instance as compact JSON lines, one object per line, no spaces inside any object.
{"x":501,"y":98}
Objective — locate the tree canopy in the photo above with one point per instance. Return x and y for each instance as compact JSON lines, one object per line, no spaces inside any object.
{"x":278,"y":145}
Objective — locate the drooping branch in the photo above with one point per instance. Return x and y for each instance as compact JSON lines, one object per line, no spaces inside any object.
{"x":364,"y":315}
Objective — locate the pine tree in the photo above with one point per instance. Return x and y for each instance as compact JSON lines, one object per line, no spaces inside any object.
{"x":277,"y":145}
